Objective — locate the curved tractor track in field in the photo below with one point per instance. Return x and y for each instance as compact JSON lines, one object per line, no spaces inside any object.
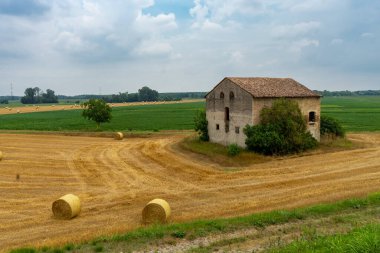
{"x":115,"y":179}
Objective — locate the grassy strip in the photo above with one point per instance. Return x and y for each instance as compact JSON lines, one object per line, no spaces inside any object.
{"x":363,"y":239}
{"x":219,"y":154}
{"x":139,"y":238}
{"x":218,"y":244}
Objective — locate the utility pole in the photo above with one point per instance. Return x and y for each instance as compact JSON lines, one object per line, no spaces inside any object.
{"x":11,"y":91}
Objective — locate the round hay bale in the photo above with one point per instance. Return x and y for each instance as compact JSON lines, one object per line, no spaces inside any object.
{"x":1,"y":156}
{"x":156,"y":211}
{"x":119,"y":136}
{"x":66,"y":207}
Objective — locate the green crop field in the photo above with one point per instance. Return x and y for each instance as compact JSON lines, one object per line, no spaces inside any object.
{"x":355,"y":113}
{"x":140,"y":118}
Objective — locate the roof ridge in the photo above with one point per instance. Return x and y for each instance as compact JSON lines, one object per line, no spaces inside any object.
{"x":272,"y":87}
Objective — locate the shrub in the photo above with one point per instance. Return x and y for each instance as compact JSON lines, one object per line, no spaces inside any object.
{"x":200,"y":125}
{"x":331,"y":126}
{"x":308,"y":141}
{"x":179,"y":234}
{"x":233,"y":150}
{"x":282,"y":130}
{"x":264,"y":139}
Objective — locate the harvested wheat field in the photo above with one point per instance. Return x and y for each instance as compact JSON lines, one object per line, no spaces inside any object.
{"x":62,"y":107}
{"x":115,"y":179}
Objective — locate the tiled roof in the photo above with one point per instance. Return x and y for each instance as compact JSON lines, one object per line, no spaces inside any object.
{"x":261,"y":87}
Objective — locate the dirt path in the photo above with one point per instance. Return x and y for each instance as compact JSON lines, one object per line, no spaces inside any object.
{"x":61,"y":107}
{"x":114,"y":180}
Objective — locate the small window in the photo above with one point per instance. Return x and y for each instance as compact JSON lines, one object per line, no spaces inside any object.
{"x":221,"y":95}
{"x":311,"y":117}
{"x":232,"y":95}
{"x":217,"y":126}
{"x":237,"y":130}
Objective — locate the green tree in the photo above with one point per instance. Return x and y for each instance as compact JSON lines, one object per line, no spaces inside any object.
{"x":200,"y":125}
{"x":282,"y":130}
{"x":49,"y":97}
{"x":30,"y":96}
{"x":285,"y":116}
{"x":133,"y":97}
{"x":147,"y":94}
{"x":37,"y":92}
{"x":36,"y":96}
{"x":97,"y":110}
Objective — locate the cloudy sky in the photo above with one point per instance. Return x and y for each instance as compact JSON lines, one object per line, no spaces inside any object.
{"x":107,"y":46}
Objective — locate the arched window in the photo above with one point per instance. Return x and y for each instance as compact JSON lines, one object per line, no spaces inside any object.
{"x":311,"y":117}
{"x":227,"y":114}
{"x":222,"y":95}
{"x":232,"y":95}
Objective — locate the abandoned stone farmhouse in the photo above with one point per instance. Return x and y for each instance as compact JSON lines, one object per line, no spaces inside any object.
{"x":235,"y":102}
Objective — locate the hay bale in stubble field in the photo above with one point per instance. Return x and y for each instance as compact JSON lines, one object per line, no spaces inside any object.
{"x":118,"y":136}
{"x":156,"y":211}
{"x":66,"y":207}
{"x":1,"y":156}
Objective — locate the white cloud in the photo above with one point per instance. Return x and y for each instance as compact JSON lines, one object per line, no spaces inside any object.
{"x":295,"y":30}
{"x":301,"y":44}
{"x":97,"y":42}
{"x":312,"y":5}
{"x":156,"y":24}
{"x":199,"y":11}
{"x":154,"y":48}
{"x":117,"y":28}
{"x":73,"y":43}
{"x":218,"y":13}
{"x":367,"y":35}
{"x":221,"y":10}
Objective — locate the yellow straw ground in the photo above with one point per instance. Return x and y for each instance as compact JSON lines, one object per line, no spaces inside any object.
{"x":115,"y":180}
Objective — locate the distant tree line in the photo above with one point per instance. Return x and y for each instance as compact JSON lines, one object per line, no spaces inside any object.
{"x":181,"y":95}
{"x":37,"y":96}
{"x":348,"y":93}
{"x":144,"y":94}
{"x":10,"y":98}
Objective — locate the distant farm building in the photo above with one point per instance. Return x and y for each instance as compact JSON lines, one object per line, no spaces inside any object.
{"x":236,"y":102}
